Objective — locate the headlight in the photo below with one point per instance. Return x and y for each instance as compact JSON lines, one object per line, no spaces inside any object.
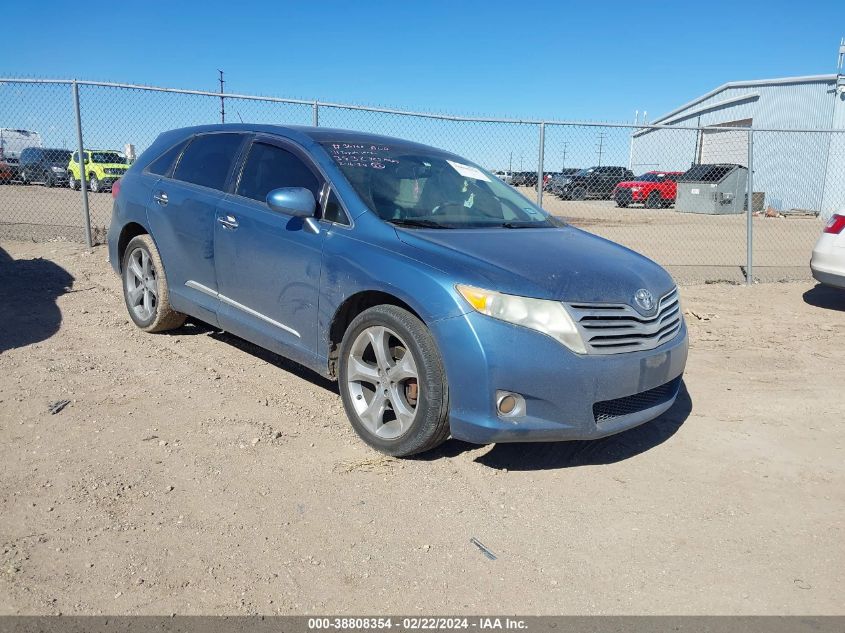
{"x":57,"y":168}
{"x":636,"y":188}
{"x":542,"y":315}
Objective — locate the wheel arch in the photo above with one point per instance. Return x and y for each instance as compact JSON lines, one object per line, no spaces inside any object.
{"x":129,"y":231}
{"x":350,"y":308}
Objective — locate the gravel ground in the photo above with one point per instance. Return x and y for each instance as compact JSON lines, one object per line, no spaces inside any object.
{"x":195,"y":473}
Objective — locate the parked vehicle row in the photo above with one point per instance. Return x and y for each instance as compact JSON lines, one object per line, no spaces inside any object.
{"x":59,"y":167}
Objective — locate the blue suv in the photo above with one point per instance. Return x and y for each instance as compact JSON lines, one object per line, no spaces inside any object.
{"x":442,"y":300}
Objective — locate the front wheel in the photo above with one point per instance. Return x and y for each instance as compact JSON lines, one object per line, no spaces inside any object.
{"x":145,"y":287}
{"x":392,"y":382}
{"x":94,"y":184}
{"x":653,"y":201}
{"x":71,"y":182}
{"x":579,"y":193}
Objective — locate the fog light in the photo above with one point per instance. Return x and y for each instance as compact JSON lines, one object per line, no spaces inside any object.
{"x":509,"y":405}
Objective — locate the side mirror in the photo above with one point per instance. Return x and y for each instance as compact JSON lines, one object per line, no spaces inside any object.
{"x":296,"y":201}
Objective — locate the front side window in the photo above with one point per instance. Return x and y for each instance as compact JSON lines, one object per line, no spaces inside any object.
{"x":208,"y":159}
{"x":269,"y":167}
{"x":334,"y":211}
{"x":422,"y":187}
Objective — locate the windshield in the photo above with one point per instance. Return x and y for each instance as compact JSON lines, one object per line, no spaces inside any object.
{"x":423,"y":188}
{"x":108,"y":157}
{"x":585,"y":172}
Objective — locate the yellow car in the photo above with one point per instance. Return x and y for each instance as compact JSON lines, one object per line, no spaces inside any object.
{"x":102,"y":168}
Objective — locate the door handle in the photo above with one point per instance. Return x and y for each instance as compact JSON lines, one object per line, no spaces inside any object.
{"x":160,"y":197}
{"x":229,"y":221}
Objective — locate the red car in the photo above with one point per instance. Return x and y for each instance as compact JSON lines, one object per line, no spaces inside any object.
{"x":654,"y":190}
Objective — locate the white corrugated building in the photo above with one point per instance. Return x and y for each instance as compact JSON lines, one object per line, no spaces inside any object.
{"x":795,"y":170}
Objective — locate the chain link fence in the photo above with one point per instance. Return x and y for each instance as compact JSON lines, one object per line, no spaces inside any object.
{"x":679,"y":195}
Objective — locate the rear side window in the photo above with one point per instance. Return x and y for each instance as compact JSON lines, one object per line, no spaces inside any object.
{"x":269,"y":167}
{"x":207,"y":160}
{"x":161,"y":166}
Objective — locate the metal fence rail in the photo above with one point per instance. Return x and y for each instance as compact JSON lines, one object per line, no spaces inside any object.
{"x":758,"y":223}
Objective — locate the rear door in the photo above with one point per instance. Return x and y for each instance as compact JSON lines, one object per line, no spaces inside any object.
{"x":268,"y":263}
{"x":181,"y":217}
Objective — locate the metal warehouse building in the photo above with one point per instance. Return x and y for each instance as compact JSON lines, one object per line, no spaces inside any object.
{"x":793,"y":170}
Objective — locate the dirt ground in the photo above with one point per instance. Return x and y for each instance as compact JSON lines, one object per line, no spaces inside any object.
{"x":695,"y":248}
{"x":194,"y":473}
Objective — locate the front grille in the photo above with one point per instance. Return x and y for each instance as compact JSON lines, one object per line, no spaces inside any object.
{"x":609,"y":410}
{"x":616,"y":328}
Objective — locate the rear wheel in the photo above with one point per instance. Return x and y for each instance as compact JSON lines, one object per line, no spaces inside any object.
{"x":94,"y":184}
{"x":653,"y":201}
{"x":579,"y":193}
{"x":392,"y":382}
{"x":145,"y":287}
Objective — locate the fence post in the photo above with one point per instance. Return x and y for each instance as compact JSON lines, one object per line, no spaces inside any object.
{"x":540,"y":161}
{"x":315,"y":111}
{"x":83,"y":181}
{"x":749,"y":213}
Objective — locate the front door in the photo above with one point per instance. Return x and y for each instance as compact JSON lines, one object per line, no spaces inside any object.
{"x":268,"y":263}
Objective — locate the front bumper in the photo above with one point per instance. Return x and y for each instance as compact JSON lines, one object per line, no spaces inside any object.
{"x":568,"y":396}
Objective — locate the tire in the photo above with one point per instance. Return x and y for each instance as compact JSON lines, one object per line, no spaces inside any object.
{"x":579,"y":193}
{"x":48,"y":181}
{"x":94,"y":184}
{"x":23,"y":177}
{"x":71,"y":182}
{"x":621,"y":205}
{"x":143,"y":270}
{"x":387,"y":430}
{"x":653,"y":201}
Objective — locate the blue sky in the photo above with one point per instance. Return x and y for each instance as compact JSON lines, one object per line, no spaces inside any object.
{"x":564,"y":60}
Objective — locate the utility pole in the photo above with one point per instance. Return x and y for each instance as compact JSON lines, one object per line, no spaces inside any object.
{"x":563,"y":164}
{"x":222,"y":104}
{"x":601,"y":145}
{"x":510,"y":163}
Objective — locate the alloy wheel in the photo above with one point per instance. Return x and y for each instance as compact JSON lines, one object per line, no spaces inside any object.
{"x":141,"y":285}
{"x":383,"y":382}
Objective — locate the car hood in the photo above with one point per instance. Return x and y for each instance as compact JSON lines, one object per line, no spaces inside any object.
{"x":564,"y":264}
{"x":636,"y":183}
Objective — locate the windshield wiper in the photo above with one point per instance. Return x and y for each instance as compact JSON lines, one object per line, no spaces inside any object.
{"x":417,"y":223}
{"x":523,"y":225}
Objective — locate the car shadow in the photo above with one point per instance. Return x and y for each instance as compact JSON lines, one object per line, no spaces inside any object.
{"x":193,"y":327}
{"x":28,"y":309}
{"x":825,"y":297}
{"x":554,"y":455}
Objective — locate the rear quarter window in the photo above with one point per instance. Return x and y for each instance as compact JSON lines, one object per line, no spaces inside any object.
{"x":208,"y":159}
{"x":163,"y":165}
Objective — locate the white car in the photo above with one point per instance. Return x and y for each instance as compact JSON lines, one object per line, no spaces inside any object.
{"x":828,"y":261}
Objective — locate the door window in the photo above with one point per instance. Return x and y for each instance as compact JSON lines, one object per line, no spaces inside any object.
{"x":334,"y":211}
{"x":161,"y":165}
{"x":269,"y":167}
{"x":208,"y":159}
